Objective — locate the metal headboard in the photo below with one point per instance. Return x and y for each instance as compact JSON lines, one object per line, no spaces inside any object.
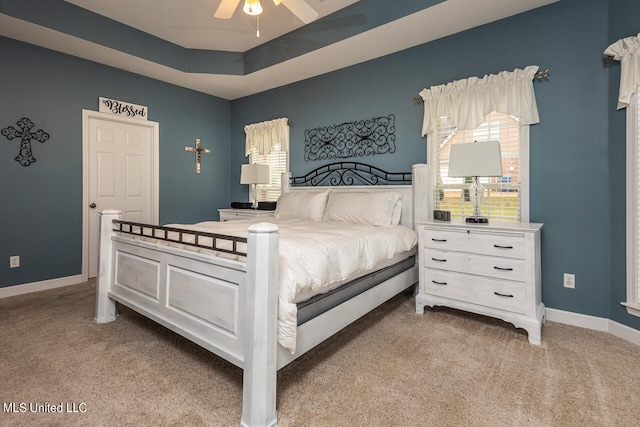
{"x":350,"y":173}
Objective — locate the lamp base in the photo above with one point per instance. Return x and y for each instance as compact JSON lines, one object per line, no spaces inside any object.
{"x":477,"y":220}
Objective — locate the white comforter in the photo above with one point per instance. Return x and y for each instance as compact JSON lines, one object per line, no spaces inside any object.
{"x":316,"y":257}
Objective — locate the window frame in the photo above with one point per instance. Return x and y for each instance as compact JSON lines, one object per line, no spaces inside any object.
{"x":632,"y":211}
{"x":274,"y":189}
{"x":523,"y":172}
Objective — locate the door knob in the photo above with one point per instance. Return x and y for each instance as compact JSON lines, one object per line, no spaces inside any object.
{"x":92,"y":205}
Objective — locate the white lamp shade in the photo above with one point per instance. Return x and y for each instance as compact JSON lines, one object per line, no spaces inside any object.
{"x":254,"y":174}
{"x":252,"y":7}
{"x":475,"y":159}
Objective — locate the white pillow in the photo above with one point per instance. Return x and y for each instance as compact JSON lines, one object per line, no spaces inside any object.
{"x":381,"y":208}
{"x":307,"y":205}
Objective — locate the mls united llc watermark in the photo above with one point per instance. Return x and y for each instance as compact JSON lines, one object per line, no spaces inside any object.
{"x":35,"y":407}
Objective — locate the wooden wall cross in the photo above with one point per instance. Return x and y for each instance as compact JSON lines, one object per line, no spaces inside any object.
{"x":198,"y":150}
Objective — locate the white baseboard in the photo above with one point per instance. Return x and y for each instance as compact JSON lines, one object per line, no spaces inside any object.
{"x":595,"y":323}
{"x":625,"y":332}
{"x":575,"y":319}
{"x":10,"y":291}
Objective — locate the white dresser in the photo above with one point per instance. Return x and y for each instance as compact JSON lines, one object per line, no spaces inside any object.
{"x":231,"y":214}
{"x":490,"y":269}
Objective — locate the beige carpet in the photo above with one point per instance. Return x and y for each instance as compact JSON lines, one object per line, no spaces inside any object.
{"x":391,"y":368}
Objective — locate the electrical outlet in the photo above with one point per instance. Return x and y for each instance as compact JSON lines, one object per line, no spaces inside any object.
{"x":569,"y":280}
{"x":14,"y":261}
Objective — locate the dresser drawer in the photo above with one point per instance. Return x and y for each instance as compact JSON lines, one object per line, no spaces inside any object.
{"x":495,"y":267}
{"x":230,"y":216}
{"x":233,"y":214}
{"x":500,"y":294}
{"x":510,"y":245}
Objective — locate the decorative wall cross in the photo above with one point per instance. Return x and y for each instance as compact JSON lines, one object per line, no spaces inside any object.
{"x":198,"y":150}
{"x":25,"y":156}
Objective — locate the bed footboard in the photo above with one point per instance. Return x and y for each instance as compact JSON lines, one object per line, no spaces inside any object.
{"x":226,"y":306}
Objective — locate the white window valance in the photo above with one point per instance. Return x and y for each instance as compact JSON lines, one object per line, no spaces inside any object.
{"x":627,"y":51}
{"x":262,"y":137}
{"x":467,"y":102}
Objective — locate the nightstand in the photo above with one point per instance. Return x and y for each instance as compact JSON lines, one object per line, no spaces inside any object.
{"x":490,"y":269}
{"x":232,"y":214}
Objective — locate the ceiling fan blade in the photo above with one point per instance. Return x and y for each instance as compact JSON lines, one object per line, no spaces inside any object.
{"x":301,"y":9}
{"x":226,"y":9}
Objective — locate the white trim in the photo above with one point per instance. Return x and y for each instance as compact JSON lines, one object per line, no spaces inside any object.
{"x":594,"y":323}
{"x":44,"y":285}
{"x":577,"y":319}
{"x":524,"y":162}
{"x":624,"y":332}
{"x":431,"y":177}
{"x":634,"y":310}
{"x":632,"y":302}
{"x":155,"y":171}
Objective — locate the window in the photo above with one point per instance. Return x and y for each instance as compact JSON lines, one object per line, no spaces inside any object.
{"x":278,"y":162}
{"x":633,"y":206}
{"x":267,"y":143}
{"x":506,"y":198}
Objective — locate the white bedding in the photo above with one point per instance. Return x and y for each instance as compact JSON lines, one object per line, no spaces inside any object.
{"x":317,"y":256}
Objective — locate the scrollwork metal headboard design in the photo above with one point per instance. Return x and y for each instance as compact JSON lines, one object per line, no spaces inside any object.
{"x":350,"y":173}
{"x":352,"y":139}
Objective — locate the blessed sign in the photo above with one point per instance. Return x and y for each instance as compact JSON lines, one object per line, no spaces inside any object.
{"x":119,"y":108}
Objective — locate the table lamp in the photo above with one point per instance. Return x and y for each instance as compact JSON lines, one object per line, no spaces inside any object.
{"x":254,"y":174}
{"x":475,"y":159}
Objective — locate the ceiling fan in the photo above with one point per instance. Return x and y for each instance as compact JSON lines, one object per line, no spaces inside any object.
{"x":300,"y":8}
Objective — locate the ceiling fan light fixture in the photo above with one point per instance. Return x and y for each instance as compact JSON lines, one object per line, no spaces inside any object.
{"x":252,"y":7}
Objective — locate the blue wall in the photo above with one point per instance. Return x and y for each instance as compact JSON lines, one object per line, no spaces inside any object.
{"x":41,"y":205}
{"x":577,"y":149}
{"x":575,"y":191}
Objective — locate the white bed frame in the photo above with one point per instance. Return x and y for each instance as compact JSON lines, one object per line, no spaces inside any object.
{"x":171,"y":285}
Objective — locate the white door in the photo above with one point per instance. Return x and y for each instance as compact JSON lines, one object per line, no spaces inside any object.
{"x":121,"y":170}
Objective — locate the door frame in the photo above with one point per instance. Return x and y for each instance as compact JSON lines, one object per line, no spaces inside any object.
{"x":87,"y":115}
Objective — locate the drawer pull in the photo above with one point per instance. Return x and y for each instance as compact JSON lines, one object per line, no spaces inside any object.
{"x":503,"y":268}
{"x":502,"y":247}
{"x":438,"y":283}
{"x":438,"y":260}
{"x":438,"y":240}
{"x":503,"y":295}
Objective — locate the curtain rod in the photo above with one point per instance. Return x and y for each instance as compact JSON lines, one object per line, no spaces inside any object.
{"x":289,"y":123}
{"x":607,"y":60}
{"x":540,"y":75}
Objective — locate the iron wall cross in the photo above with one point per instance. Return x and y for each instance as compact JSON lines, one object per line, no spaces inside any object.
{"x":25,"y":156}
{"x":198,"y":150}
